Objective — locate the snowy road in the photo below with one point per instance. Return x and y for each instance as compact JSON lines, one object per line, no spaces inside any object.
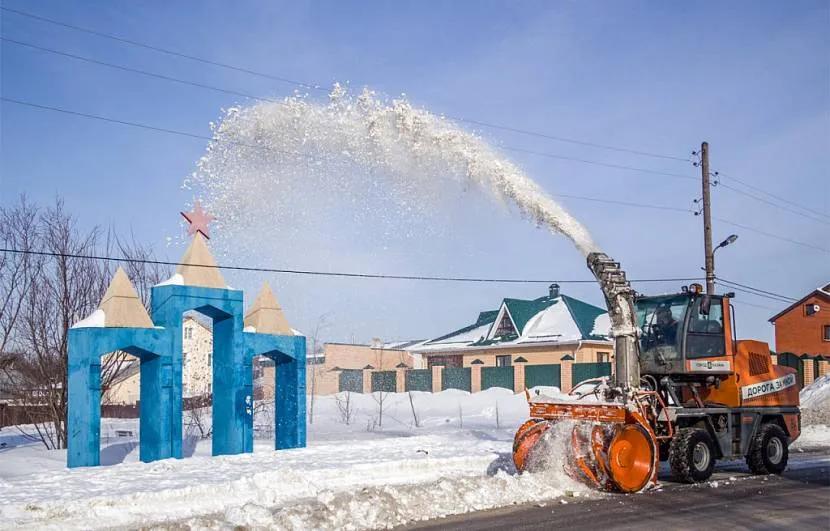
{"x":732,"y":499}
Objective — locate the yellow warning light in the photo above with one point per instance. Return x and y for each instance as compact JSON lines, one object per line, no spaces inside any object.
{"x":696,"y":288}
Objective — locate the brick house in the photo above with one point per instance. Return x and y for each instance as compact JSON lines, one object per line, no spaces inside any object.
{"x":802,"y":329}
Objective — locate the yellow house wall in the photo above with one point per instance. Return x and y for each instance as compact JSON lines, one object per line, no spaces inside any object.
{"x":197,"y":370}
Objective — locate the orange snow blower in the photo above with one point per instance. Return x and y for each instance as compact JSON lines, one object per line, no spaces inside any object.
{"x":683,"y":390}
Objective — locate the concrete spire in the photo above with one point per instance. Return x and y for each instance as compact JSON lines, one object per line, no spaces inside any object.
{"x":121,"y":306}
{"x":198,"y":254}
{"x":266,"y":315}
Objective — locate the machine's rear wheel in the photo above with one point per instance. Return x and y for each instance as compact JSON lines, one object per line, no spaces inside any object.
{"x":692,"y":455}
{"x":768,"y":452}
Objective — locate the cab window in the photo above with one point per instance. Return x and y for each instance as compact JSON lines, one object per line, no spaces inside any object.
{"x":705,"y":338}
{"x":660,"y":325}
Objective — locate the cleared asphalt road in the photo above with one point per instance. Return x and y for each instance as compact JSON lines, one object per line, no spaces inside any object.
{"x":732,"y":499}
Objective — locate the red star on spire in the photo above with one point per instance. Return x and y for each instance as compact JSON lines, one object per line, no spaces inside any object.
{"x":198,"y":220}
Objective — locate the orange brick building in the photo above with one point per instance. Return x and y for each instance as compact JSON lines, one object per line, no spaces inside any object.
{"x":803,"y":329}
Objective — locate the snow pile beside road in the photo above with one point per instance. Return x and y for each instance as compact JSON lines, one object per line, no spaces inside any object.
{"x":815,"y":416}
{"x":815,"y":402}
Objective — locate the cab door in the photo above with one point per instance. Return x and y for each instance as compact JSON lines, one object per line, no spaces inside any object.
{"x":707,"y":345}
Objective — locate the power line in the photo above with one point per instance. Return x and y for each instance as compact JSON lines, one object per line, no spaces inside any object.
{"x":568,"y":140}
{"x":267,"y":148}
{"x":761,"y":306}
{"x":161,"y":50}
{"x":597,"y":163}
{"x":329,"y":273}
{"x":770,"y":235}
{"x":312,"y":157}
{"x":750,"y":292}
{"x":760,"y":291}
{"x":153,"y":128}
{"x":132,"y":70}
{"x":251,"y":96}
{"x":774,"y":196}
{"x":777,"y":205}
{"x":320,"y":88}
{"x":625,"y":203}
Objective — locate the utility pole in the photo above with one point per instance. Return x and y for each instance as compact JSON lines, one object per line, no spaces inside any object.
{"x":707,"y":220}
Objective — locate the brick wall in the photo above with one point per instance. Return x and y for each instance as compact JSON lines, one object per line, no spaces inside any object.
{"x":799,"y":333}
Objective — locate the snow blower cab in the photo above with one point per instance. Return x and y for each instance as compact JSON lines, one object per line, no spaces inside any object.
{"x":683,"y":390}
{"x":687,"y":335}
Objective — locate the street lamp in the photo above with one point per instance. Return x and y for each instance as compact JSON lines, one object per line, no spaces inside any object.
{"x":728,"y":241}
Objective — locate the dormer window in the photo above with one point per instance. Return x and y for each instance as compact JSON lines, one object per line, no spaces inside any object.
{"x":505,"y":327}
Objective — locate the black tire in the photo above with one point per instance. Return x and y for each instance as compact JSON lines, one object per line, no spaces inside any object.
{"x":768,"y":452}
{"x":692,"y":455}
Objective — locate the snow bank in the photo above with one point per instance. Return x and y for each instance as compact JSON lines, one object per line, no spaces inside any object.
{"x":815,"y":403}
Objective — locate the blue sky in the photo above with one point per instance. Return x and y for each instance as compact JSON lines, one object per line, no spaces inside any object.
{"x":752,"y":78}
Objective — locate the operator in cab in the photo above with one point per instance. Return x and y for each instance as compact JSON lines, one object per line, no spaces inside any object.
{"x":665,"y":326}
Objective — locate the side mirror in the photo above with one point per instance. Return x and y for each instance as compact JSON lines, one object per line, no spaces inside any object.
{"x":705,"y":304}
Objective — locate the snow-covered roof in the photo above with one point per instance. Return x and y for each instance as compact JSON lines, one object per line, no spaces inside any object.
{"x":559,"y":319}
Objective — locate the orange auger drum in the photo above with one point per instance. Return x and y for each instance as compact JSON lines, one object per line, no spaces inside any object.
{"x":609,"y":447}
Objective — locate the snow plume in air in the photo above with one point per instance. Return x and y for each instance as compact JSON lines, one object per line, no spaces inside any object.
{"x":292,"y":158}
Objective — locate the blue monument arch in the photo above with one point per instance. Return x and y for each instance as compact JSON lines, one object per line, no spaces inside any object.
{"x":121,"y":323}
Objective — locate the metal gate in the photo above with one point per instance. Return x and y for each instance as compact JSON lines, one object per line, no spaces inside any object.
{"x":548,"y":375}
{"x":419,"y":380}
{"x":456,"y":378}
{"x":385,"y":381}
{"x":351,"y":380}
{"x":497,"y":377}
{"x":586,"y":371}
{"x":788,"y":359}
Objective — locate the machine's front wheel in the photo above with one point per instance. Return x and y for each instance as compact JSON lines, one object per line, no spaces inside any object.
{"x":692,"y":455}
{"x":768,"y":452}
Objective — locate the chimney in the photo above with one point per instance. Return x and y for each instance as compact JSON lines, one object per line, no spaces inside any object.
{"x":554,"y":290}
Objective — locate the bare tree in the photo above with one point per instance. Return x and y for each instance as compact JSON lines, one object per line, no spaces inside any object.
{"x":345,"y":406}
{"x":380,"y":396}
{"x":317,"y":351}
{"x":197,"y":417}
{"x":42,"y":295}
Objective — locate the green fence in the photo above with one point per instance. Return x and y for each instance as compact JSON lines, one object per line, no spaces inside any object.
{"x":586,"y":371}
{"x":419,"y":380}
{"x":788,"y":359}
{"x":457,"y":378}
{"x":351,"y":380}
{"x":384,"y":381}
{"x":549,"y":375}
{"x":496,"y":377}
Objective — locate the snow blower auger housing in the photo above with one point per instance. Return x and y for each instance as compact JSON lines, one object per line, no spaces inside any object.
{"x":683,"y":390}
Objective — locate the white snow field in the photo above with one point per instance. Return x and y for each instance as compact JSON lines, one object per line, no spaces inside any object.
{"x":455,"y":458}
{"x":351,"y":476}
